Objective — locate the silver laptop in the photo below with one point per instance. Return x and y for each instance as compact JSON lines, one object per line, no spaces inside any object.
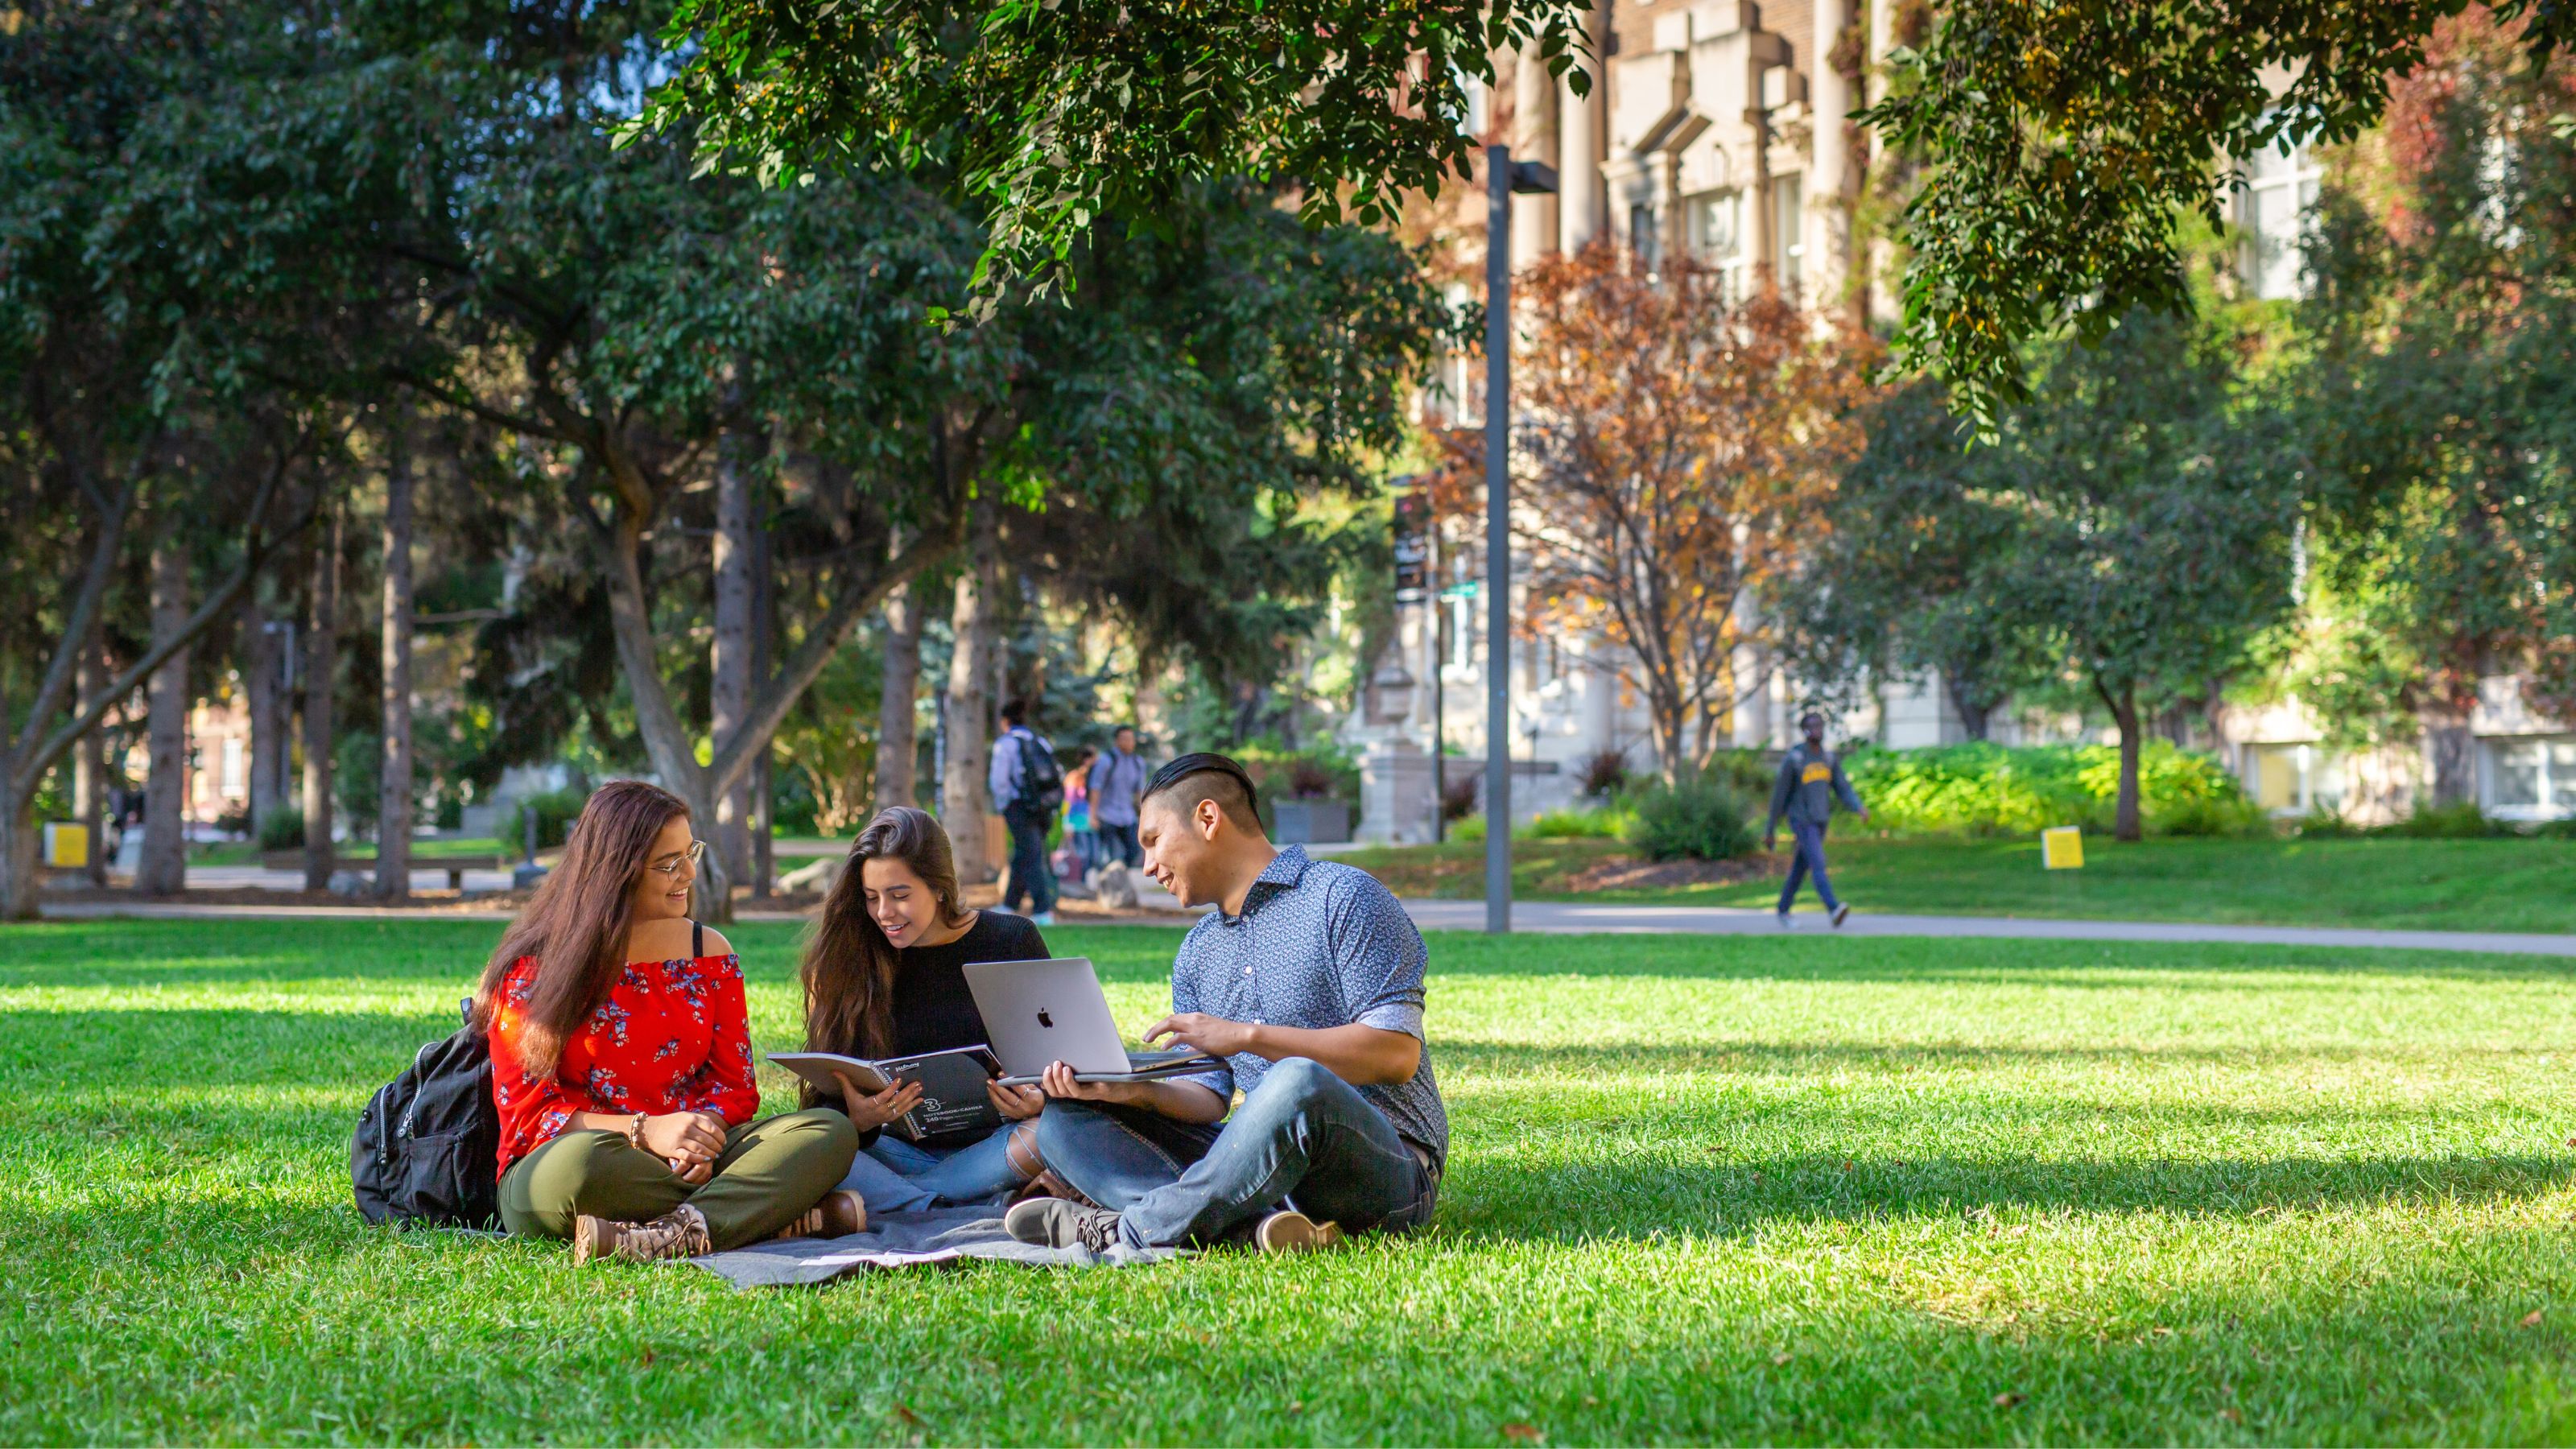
{"x":1040,"y":1012}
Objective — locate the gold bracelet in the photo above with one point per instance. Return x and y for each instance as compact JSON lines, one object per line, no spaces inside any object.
{"x":635,"y":1131}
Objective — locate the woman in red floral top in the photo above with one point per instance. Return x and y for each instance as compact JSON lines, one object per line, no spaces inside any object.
{"x":621,"y":1060}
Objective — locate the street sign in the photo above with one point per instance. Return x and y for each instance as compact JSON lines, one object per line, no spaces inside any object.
{"x":1412,"y":543}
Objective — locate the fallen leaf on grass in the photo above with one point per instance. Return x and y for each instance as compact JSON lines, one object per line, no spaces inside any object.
{"x":2160,"y":1331}
{"x":644,"y":1359}
{"x":1525,"y":1433}
{"x":1296,"y":1406}
{"x":2531,"y":1319}
{"x":905,"y":1413}
{"x":1779,"y":1359}
{"x":2006,"y":1401}
{"x":2231,"y":1416}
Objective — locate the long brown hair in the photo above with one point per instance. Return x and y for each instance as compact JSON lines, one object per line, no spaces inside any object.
{"x":576,"y":925}
{"x":849,"y":964}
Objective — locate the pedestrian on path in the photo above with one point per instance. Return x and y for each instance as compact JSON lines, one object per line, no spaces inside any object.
{"x":1810,"y":779}
{"x":1028,"y":788}
{"x":1116,"y":779}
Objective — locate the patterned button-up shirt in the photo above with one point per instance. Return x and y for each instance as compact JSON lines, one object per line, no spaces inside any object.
{"x":1319,"y":945}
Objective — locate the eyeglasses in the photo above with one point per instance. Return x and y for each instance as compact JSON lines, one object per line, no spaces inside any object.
{"x":689,"y":857}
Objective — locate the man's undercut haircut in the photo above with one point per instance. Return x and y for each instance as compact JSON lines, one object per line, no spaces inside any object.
{"x":1184,"y":782}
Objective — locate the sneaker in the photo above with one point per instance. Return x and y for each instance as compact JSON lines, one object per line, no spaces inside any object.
{"x":1043,"y":918}
{"x":1841,"y":914}
{"x":679,"y":1233}
{"x":1290,"y":1231}
{"x":840,"y":1213}
{"x":1053,"y":1222}
{"x":1783,"y":919}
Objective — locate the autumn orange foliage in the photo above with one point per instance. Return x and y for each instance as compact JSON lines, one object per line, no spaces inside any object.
{"x":1672,"y":450}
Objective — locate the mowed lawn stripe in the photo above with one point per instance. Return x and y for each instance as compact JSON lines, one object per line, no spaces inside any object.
{"x":1790,"y":1189}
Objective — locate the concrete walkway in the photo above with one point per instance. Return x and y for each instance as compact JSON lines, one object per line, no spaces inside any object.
{"x":1571,"y":918}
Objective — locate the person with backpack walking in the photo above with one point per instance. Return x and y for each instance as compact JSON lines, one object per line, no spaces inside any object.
{"x":1810,"y":779}
{"x":622,"y":1063}
{"x":1027,"y":786}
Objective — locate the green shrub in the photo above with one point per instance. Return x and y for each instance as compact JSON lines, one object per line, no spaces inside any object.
{"x":556,"y":811}
{"x":2461,"y":821}
{"x":1696,"y":818}
{"x":1471,"y":830}
{"x":1607,"y":822}
{"x":1989,"y":789}
{"x":282,"y":830}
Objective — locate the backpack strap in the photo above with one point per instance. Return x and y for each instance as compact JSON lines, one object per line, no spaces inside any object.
{"x":697,"y":940}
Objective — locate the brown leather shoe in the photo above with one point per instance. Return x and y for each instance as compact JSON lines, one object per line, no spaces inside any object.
{"x":679,"y":1233}
{"x":840,"y":1213}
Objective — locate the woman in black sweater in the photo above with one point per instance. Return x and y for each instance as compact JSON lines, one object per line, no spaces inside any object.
{"x":884,"y":978}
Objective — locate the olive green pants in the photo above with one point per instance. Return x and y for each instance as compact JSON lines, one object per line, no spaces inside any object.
{"x":768,"y":1173}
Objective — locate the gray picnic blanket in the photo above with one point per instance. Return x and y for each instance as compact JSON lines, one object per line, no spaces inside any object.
{"x":904,"y":1240}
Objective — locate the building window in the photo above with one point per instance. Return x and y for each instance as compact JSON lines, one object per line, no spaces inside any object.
{"x":1714,"y":222}
{"x":1789,"y":224}
{"x":1645,"y":234}
{"x":2532,"y":779}
{"x":236,"y":779}
{"x":1458,"y":657}
{"x":2278,"y":187}
{"x":2297,"y":779}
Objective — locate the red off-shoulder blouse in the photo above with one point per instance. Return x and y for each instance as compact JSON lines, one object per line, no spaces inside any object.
{"x":673,"y":1036}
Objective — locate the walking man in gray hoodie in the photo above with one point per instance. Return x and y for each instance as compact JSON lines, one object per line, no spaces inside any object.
{"x":1810,"y":778}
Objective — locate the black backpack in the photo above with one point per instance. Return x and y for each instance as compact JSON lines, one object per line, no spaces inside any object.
{"x":1041,"y":782}
{"x":425,"y":1154}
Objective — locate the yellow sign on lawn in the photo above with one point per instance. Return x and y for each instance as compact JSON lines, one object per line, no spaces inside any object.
{"x":2061,"y":847}
{"x":66,"y":846}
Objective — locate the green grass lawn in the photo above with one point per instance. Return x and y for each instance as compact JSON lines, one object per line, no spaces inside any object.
{"x":1791,"y":1189}
{"x":2487,"y":885}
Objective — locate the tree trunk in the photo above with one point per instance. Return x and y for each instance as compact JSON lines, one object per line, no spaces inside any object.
{"x":164,"y":868}
{"x":266,"y":705}
{"x":729,"y":694}
{"x":964,"y":799}
{"x":321,"y":727}
{"x":764,"y":788}
{"x":18,"y":853}
{"x":898,"y":765}
{"x":89,"y":761}
{"x":2124,"y":711}
{"x":393,"y":801}
{"x":2454,"y":758}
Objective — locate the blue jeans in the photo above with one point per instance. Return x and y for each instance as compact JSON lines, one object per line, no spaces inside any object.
{"x":1030,"y":872}
{"x":894,"y":1176}
{"x":1118,"y":842}
{"x":1303,"y":1139}
{"x":1808,"y":856}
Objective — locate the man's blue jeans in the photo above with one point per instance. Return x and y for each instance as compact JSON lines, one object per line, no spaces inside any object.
{"x":894,"y":1176}
{"x":1030,"y":872}
{"x":1302,"y":1139}
{"x":1118,"y":842}
{"x":1808,"y":856}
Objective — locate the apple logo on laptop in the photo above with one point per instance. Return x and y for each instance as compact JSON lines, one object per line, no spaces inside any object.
{"x":1045,"y":1020}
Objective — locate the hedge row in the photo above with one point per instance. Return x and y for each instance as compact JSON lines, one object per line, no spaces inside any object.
{"x":1987,"y":789}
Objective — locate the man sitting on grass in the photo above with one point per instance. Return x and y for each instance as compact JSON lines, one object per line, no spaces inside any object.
{"x":1307,"y":982}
